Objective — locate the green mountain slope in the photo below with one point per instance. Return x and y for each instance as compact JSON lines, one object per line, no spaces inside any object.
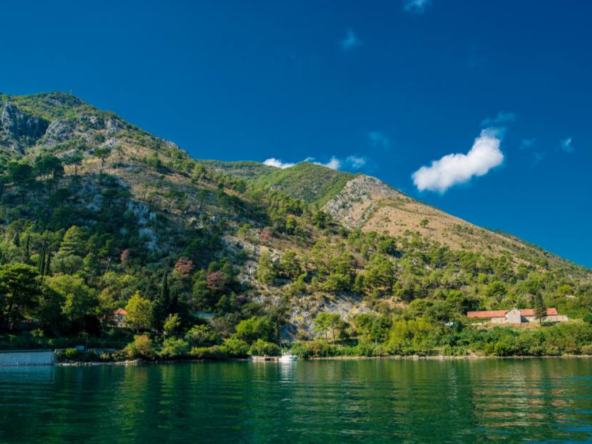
{"x":99,"y":214}
{"x":312,"y":183}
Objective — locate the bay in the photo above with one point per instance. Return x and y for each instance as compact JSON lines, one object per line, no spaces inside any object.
{"x":371,"y":401}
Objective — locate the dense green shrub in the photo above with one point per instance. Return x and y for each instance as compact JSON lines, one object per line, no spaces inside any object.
{"x":263,"y":348}
{"x":214,"y":353}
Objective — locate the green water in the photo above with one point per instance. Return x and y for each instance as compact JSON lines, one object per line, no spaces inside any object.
{"x":305,"y":402}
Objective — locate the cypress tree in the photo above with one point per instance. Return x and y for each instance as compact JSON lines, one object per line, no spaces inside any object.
{"x":41,"y":262}
{"x":17,"y":240}
{"x":48,"y":263}
{"x":27,"y":252}
{"x":162,"y":303}
{"x":540,"y":311}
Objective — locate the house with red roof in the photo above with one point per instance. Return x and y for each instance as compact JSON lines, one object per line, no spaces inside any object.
{"x":119,"y":316}
{"x":515,"y":316}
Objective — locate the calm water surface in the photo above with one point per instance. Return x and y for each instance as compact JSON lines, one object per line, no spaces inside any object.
{"x":305,"y":402}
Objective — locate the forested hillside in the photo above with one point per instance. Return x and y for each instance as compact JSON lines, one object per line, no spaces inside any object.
{"x":215,"y":259}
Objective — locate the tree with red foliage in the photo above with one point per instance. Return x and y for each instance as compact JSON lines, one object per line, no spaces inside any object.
{"x":184,"y":268}
{"x":216,"y":280}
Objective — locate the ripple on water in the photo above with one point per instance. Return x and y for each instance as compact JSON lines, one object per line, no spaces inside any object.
{"x":308,"y":402}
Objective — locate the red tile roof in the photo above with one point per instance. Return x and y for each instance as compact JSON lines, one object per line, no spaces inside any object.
{"x":530,"y":312}
{"x":502,"y":313}
{"x":120,"y":312}
{"x":487,"y":314}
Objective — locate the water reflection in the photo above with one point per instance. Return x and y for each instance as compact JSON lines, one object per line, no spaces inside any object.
{"x":337,"y":401}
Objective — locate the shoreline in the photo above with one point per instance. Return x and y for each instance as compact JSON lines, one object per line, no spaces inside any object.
{"x":275,"y":360}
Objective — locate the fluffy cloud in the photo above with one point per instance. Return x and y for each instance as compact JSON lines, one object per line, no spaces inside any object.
{"x":567,"y":145}
{"x":416,"y":6}
{"x":353,"y":162}
{"x":455,"y":169}
{"x":278,"y":163}
{"x":351,"y":41}
{"x":378,"y":139}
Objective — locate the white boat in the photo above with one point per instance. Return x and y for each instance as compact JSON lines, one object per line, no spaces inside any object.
{"x":287,"y":357}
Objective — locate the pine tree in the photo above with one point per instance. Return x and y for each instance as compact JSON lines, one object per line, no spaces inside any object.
{"x":73,"y":242}
{"x":17,"y":240}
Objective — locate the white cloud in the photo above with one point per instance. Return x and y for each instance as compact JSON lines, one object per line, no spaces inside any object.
{"x":378,"y":139}
{"x":455,"y":169}
{"x":356,"y":162}
{"x":353,"y":162}
{"x":416,"y":6}
{"x":334,"y":163}
{"x":351,"y":41}
{"x":502,"y":117}
{"x":278,"y":163}
{"x":567,"y":145}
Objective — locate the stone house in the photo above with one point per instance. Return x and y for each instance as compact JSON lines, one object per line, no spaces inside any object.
{"x":515,"y":316}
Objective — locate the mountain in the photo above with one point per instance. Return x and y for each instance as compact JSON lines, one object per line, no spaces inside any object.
{"x":118,"y":212}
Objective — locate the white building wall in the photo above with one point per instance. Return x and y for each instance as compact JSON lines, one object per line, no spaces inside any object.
{"x":27,"y":358}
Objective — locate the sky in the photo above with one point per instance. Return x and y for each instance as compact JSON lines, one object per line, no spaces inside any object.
{"x":482,"y":109}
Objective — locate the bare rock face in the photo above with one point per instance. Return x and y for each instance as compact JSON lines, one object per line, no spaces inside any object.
{"x":57,"y":132}
{"x":113,"y":126}
{"x":356,"y":201}
{"x":17,"y":126}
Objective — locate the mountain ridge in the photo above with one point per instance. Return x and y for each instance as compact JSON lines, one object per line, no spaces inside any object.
{"x":299,"y":241}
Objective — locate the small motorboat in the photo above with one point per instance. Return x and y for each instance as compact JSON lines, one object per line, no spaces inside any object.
{"x":287,"y":357}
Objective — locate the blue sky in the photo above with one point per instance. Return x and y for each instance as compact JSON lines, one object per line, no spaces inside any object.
{"x":496,"y":93}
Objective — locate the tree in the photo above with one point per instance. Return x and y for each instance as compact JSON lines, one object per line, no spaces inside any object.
{"x":291,"y":225}
{"x":139,"y":313}
{"x":424,"y":223}
{"x":336,"y":283}
{"x":102,"y":153}
{"x":74,"y":160}
{"x":540,"y":311}
{"x":290,"y":265}
{"x":263,"y":348}
{"x":80,"y":301}
{"x":379,"y":273}
{"x":321,"y":219}
{"x":27,"y":250}
{"x":49,"y":166}
{"x":267,"y":270}
{"x":183,"y":268}
{"x":216,"y":280}
{"x":141,"y":348}
{"x":161,"y":303}
{"x":495,"y":289}
{"x":326,"y":322}
{"x":20,"y":288}
{"x":172,"y":325}
{"x":257,"y":327}
{"x":201,"y":336}
{"x":73,"y":242}
{"x":21,"y":174}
